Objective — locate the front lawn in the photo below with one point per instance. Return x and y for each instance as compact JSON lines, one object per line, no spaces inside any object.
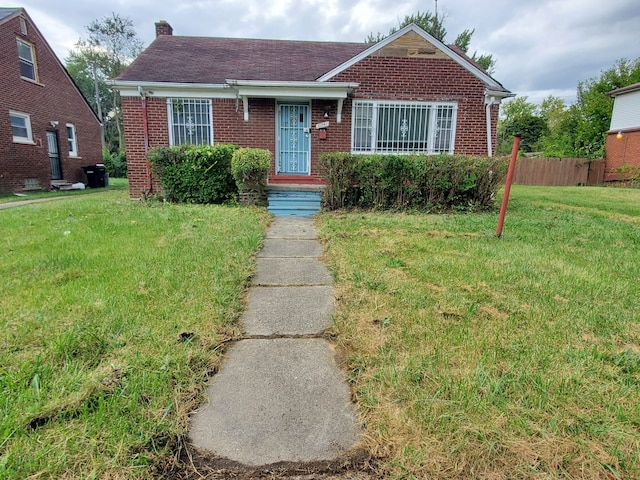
{"x":477,"y":357}
{"x":112,"y":315}
{"x":469,"y":356}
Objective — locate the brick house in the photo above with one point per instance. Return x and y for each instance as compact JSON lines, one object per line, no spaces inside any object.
{"x":623,"y":138}
{"x":48,"y":131}
{"x":407,"y":93}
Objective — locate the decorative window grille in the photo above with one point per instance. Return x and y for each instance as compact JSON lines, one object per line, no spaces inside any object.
{"x":190,"y":121}
{"x":403,"y":127}
{"x":27,"y":60}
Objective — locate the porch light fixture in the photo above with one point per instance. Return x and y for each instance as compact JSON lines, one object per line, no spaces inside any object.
{"x":326,"y":111}
{"x":53,"y":123}
{"x":619,"y":135}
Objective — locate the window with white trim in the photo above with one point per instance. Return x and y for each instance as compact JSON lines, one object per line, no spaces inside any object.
{"x":27,"y":58}
{"x":71,"y":140}
{"x":21,"y":127}
{"x":190,"y":121}
{"x":380,"y":126}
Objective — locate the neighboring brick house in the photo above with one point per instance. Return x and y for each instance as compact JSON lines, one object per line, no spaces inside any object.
{"x":408,"y":93}
{"x":623,"y":138}
{"x":47,"y":129}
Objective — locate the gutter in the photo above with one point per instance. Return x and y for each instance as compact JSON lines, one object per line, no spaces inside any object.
{"x":493,"y":97}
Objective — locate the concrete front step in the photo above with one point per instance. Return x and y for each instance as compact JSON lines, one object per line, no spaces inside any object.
{"x":294,"y":202}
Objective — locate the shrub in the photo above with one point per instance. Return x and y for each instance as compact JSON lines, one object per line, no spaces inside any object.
{"x":440,"y":182}
{"x":115,"y":163}
{"x":337,"y":169}
{"x":195,"y":174}
{"x":249,"y":167}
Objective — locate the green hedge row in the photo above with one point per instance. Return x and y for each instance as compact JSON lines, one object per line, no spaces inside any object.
{"x":426,"y":182}
{"x":194,"y":173}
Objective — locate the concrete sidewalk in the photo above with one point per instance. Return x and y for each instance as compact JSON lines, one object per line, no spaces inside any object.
{"x":280,"y":397}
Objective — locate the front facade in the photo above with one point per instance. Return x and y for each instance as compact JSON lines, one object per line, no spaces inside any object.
{"x":623,"y":138}
{"x":406,"y":94}
{"x":47,"y":129}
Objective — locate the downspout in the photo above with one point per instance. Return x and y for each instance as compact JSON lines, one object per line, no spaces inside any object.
{"x":488,"y":102}
{"x":145,"y":129}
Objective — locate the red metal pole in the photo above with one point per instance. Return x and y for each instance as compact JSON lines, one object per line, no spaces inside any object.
{"x":507,"y":185}
{"x":145,"y":128}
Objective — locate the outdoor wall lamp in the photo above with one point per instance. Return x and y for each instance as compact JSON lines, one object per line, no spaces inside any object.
{"x":53,"y":123}
{"x":619,"y":135}
{"x":327,"y":109}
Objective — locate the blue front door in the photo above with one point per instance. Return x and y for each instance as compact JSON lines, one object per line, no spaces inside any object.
{"x":294,"y":139}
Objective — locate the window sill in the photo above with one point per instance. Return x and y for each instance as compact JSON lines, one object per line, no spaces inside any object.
{"x":24,"y":141}
{"x":30,"y":80}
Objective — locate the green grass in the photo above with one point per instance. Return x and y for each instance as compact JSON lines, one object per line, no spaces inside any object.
{"x":477,"y":357}
{"x":112,"y":315}
{"x":469,"y":356}
{"x":115,"y":184}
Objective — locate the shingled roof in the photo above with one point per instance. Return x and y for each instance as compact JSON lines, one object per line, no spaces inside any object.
{"x":184,"y":59}
{"x":7,"y":12}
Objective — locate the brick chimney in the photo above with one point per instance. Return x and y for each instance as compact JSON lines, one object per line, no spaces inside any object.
{"x":163,"y":28}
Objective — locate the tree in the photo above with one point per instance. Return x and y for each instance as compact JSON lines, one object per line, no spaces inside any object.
{"x":520,"y":117}
{"x":110,"y":46}
{"x":434,"y":26}
{"x":575,"y":131}
{"x":82,"y":72}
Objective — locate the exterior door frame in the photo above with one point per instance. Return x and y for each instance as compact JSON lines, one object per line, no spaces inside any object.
{"x":304,"y":134}
{"x":55,"y":163}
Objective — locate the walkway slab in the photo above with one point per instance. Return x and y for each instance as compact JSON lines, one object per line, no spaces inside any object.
{"x":288,"y":310}
{"x":291,"y":271}
{"x":292,"y":228}
{"x":281,"y":247}
{"x":278,"y":400}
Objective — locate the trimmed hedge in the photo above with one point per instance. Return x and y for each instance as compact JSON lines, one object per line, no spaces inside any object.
{"x":249,"y":167}
{"x":195,"y":174}
{"x":425,"y":182}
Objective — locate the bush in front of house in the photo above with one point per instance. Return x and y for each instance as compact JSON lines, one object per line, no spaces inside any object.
{"x":195,"y":173}
{"x":115,"y":163}
{"x":424,"y":182}
{"x":249,"y":167}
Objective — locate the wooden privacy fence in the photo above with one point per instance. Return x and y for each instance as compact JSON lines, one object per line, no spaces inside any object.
{"x":558,"y":171}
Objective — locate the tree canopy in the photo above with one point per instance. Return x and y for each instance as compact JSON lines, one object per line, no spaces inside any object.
{"x":111,"y":44}
{"x":578,"y":130}
{"x":434,"y":26}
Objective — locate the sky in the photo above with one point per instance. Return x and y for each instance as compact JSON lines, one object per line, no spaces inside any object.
{"x":541,"y":47}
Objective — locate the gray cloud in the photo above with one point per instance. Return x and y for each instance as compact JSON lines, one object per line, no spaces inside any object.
{"x":542,"y":47}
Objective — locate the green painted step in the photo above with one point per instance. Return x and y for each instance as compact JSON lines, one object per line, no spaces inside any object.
{"x":294,"y":203}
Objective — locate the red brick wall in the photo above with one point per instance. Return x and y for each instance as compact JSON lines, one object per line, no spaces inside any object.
{"x":384,"y":78}
{"x":620,"y":152}
{"x":53,"y":98}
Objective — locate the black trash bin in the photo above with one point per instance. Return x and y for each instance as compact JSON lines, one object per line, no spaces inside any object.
{"x":96,"y":175}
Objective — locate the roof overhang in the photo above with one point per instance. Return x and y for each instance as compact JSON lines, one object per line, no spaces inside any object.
{"x":496,"y":96}
{"x":292,"y":91}
{"x":241,"y":89}
{"x":130,"y":88}
{"x":628,"y":89}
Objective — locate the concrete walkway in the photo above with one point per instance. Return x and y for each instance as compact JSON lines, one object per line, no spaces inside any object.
{"x":280,"y":397}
